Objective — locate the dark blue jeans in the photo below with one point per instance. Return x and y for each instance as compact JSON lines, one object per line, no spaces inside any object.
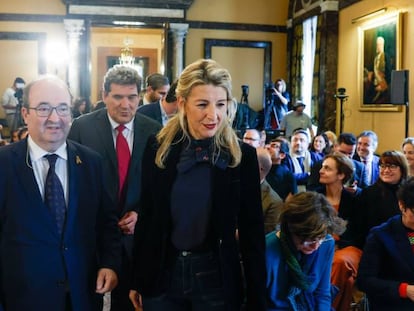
{"x":195,"y":285}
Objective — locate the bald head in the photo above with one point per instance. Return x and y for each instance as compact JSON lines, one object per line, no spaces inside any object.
{"x":265,"y":162}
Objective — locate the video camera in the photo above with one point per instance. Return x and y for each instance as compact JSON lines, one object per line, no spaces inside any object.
{"x":245,"y":90}
{"x":341,"y":93}
{"x":245,"y":94}
{"x":269,"y":90}
{"x":19,"y":95}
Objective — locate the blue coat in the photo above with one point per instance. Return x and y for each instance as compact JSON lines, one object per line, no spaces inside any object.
{"x":374,"y":167}
{"x":387,"y":261}
{"x":34,"y":258}
{"x":281,"y":293}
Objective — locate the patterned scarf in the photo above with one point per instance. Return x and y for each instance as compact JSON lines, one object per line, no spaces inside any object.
{"x":300,"y":279}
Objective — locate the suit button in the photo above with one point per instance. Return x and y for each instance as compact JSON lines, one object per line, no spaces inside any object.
{"x":64,"y":248}
{"x":61,"y":283}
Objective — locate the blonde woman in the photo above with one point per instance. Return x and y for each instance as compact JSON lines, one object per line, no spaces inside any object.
{"x":199,"y":184}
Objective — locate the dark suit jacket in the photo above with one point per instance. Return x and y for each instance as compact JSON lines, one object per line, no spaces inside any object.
{"x":387,"y":261}
{"x":374,"y":167}
{"x":376,"y":204}
{"x":152,"y":111}
{"x":94,"y":130}
{"x":35,"y":260}
{"x":301,"y":178}
{"x":235,"y":203}
{"x":347,"y":210}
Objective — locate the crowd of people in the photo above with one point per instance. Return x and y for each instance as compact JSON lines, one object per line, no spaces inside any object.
{"x":363,"y":189}
{"x":159,"y":205}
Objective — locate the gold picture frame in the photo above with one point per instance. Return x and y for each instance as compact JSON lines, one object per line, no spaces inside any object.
{"x":379,"y":54}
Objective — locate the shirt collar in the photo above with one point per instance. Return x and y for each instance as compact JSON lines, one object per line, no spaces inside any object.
{"x":114,"y":124}
{"x":36,"y":152}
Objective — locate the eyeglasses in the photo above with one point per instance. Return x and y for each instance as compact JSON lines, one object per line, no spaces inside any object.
{"x":250,"y":138}
{"x":308,"y":243}
{"x":45,"y":110}
{"x":392,"y":167}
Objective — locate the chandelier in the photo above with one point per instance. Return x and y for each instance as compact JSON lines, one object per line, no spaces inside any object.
{"x":127,"y":57}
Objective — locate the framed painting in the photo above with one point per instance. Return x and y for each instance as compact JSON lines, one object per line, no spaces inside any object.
{"x":380,"y":49}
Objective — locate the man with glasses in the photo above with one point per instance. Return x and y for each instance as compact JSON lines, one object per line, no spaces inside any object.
{"x":252,"y":137}
{"x":60,"y":240}
{"x":280,"y":178}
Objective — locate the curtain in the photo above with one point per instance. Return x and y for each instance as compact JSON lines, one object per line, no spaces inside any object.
{"x":296,"y":63}
{"x":308,"y":65}
{"x":316,"y":76}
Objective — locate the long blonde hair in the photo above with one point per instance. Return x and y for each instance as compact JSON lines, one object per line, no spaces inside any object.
{"x":201,"y":72}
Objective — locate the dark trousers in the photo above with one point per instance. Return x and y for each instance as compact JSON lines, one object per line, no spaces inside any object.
{"x":195,"y":286}
{"x":68,"y":303}
{"x":120,"y":294}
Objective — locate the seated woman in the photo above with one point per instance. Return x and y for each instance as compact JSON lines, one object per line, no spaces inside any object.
{"x":386,"y":270}
{"x":298,"y":276}
{"x":378,"y":202}
{"x":336,"y":170}
{"x":319,"y":146}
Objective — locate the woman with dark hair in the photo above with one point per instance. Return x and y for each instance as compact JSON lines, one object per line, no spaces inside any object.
{"x":319,"y":146}
{"x":79,"y":107}
{"x":199,"y":184}
{"x":298,"y":256}
{"x":337,"y":169}
{"x":386,"y":270}
{"x":378,"y":202}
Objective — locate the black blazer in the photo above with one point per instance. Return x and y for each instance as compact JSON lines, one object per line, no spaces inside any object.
{"x":94,"y":130}
{"x":347,"y":210}
{"x":236,"y":203}
{"x":152,"y":111}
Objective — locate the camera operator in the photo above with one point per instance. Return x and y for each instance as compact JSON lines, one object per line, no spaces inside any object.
{"x":276,"y":104}
{"x":11,"y":102}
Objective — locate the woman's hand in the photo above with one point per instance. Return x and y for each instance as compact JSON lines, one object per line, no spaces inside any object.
{"x":410,"y":292}
{"x":136,"y":300}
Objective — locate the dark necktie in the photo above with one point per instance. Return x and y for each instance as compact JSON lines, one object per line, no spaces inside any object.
{"x":54,"y":195}
{"x":123,"y":156}
{"x":367,"y":167}
{"x":300,"y":160}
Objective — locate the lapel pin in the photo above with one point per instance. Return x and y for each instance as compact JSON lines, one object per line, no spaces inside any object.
{"x":78,"y":160}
